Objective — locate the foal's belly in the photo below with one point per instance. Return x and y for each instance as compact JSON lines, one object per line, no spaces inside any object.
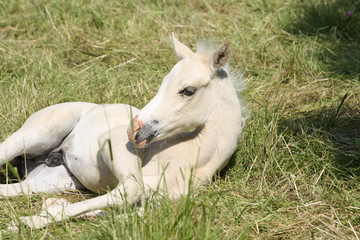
{"x":81,"y":147}
{"x":91,"y":171}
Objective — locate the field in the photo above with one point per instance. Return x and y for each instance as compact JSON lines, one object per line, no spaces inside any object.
{"x":296,"y":171}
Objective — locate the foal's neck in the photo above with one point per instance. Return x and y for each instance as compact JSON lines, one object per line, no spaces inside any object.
{"x":218,"y":138}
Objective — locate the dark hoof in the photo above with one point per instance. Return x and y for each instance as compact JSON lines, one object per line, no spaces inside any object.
{"x":54,"y":159}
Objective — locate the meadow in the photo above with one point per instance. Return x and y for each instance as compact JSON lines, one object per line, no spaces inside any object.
{"x":296,"y":171}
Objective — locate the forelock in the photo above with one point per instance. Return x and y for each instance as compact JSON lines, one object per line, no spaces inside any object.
{"x":206,"y":47}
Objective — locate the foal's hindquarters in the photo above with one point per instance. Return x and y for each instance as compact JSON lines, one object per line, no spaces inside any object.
{"x":76,"y":130}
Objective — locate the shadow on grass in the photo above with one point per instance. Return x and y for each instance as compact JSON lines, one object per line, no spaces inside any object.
{"x":229,"y":166}
{"x":337,"y":25}
{"x":342,"y":132}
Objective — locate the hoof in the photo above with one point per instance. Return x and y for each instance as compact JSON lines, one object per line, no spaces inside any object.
{"x":13,"y":227}
{"x":35,"y":222}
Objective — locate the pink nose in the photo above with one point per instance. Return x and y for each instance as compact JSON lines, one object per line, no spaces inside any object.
{"x":134,"y":128}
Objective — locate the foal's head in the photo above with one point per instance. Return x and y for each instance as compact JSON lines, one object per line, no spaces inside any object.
{"x":185,"y":98}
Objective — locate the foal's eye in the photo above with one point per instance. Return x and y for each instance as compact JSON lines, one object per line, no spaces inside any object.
{"x":188,"y":91}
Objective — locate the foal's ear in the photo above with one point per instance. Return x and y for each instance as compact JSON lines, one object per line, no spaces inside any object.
{"x":221,"y":55}
{"x":181,"y":50}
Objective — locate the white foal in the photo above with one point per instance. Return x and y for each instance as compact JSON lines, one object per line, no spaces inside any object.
{"x":187,"y":132}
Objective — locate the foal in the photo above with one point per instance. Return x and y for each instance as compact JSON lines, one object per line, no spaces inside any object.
{"x":186,"y":133}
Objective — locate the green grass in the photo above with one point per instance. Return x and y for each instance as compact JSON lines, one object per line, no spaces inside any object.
{"x":296,"y":172}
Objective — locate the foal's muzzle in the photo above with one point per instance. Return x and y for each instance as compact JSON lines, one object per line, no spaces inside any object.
{"x":146,"y":133}
{"x":141,"y":134}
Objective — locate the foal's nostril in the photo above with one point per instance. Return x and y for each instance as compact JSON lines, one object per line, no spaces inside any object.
{"x":137,"y":136}
{"x":154,"y":122}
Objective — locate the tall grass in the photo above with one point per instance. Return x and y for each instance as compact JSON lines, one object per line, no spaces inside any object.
{"x":295,"y":174}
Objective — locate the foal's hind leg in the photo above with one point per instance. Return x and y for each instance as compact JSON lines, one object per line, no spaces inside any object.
{"x":43,"y":179}
{"x":43,"y":131}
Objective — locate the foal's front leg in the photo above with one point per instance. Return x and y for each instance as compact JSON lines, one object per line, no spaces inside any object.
{"x":130,"y":191}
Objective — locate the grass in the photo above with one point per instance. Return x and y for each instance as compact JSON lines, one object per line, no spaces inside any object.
{"x":296,"y":172}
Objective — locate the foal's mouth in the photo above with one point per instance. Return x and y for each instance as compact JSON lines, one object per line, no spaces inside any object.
{"x":143,"y":136}
{"x":142,"y":133}
{"x":144,"y":139}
